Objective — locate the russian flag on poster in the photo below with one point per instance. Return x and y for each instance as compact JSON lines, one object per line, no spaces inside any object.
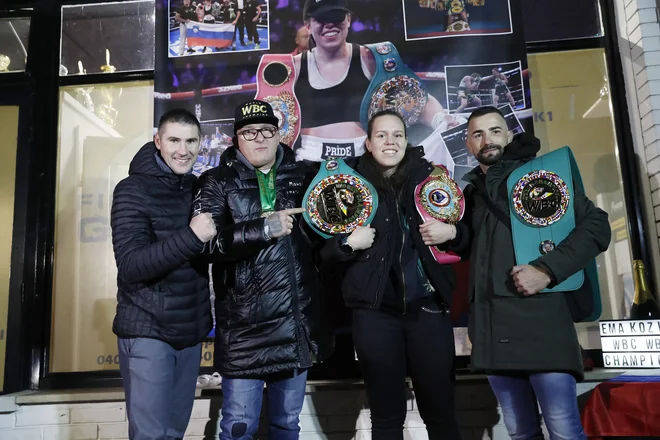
{"x":210,"y":34}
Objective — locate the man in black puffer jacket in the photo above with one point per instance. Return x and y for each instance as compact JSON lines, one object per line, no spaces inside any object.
{"x":268,"y":317}
{"x":163,"y":310}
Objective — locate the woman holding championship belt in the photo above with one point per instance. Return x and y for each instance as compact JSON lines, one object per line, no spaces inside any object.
{"x":399,"y":294}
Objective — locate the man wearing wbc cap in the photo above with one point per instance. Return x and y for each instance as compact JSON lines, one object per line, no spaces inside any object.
{"x":269,"y":319}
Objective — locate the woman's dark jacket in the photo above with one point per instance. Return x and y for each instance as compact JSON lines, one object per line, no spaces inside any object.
{"x":382,"y":276}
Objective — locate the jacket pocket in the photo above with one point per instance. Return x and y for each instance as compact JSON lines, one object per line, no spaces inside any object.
{"x":503,"y":284}
{"x":529,"y":331}
{"x":363,"y":281}
{"x":245,"y":282}
{"x":150,"y":299}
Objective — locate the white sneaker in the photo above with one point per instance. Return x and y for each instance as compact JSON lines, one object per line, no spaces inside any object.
{"x":209,"y":380}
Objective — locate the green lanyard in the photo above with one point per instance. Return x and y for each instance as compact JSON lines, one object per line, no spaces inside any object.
{"x":267,"y":192}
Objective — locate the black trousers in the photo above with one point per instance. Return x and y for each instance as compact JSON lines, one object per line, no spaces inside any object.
{"x":240,"y":29}
{"x":386,"y":346}
{"x":251,"y":29}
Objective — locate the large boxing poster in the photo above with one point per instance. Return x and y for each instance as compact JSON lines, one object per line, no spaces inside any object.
{"x":327,"y":65}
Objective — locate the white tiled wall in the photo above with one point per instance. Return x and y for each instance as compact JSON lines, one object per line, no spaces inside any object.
{"x":327,"y":414}
{"x":639,"y":46}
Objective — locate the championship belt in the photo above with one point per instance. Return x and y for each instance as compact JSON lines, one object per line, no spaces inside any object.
{"x":438,"y":197}
{"x":275,"y":80}
{"x":338,"y":200}
{"x":457,"y":24}
{"x":542,"y":212}
{"x":456,"y":16}
{"x":393,"y":86}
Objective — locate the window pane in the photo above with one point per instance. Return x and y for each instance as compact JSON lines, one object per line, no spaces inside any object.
{"x":572,"y":107}
{"x":14,"y":33}
{"x":561,"y":19}
{"x":9,"y":124}
{"x":124,"y":31}
{"x":93,"y":156}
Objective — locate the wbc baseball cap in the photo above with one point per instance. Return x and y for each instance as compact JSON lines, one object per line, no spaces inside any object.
{"x":319,"y":8}
{"x":254,"y":112}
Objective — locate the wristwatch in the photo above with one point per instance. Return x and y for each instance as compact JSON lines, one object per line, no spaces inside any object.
{"x":345,"y":246}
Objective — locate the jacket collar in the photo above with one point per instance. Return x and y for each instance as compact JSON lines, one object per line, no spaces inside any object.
{"x":232,"y":157}
{"x":522,"y":148}
{"x":148,"y":161}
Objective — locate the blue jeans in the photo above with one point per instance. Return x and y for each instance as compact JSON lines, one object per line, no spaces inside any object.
{"x":159,"y":383}
{"x":241,"y":406}
{"x":556,"y":394}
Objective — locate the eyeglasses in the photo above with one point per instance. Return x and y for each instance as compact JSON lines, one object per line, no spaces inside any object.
{"x":252,"y":133}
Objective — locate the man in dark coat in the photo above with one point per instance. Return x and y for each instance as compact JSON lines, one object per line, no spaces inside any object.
{"x":524,"y":340}
{"x":164,"y":309}
{"x":268,"y":314}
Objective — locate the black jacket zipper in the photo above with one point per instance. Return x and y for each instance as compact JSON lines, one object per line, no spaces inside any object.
{"x":403,"y":242}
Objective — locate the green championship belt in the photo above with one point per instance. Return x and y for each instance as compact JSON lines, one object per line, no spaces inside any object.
{"x":338,"y":200}
{"x":393,"y":86}
{"x":542,"y":213}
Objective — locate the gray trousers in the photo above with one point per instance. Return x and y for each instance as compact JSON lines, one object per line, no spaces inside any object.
{"x":159,"y":383}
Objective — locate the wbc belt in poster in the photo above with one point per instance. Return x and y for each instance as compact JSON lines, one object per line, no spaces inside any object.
{"x":393,"y":86}
{"x":338,"y":200}
{"x":275,"y":80}
{"x":457,"y":15}
{"x":438,"y":197}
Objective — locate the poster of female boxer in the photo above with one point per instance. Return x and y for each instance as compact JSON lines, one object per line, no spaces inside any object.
{"x":328,"y":65}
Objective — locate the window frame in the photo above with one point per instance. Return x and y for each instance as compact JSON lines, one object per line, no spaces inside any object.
{"x":31,"y":291}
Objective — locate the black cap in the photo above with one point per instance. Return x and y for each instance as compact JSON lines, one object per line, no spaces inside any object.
{"x":254,"y":112}
{"x":317,"y":8}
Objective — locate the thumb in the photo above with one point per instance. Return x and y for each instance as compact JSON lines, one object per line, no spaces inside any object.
{"x":516,"y":269}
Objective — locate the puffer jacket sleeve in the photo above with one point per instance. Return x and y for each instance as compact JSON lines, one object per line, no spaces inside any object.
{"x":591,"y":236}
{"x":139,"y":258}
{"x":234,"y":241}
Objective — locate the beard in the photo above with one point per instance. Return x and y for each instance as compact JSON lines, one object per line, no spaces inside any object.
{"x":495,"y":154}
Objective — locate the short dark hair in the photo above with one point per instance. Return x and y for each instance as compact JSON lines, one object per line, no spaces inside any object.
{"x":483,"y":111}
{"x":180,"y":116}
{"x":386,"y":112}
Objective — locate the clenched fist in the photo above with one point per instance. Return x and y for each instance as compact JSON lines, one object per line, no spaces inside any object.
{"x":203,"y":226}
{"x":529,"y":280}
{"x":361,"y":238}
{"x":280,"y":223}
